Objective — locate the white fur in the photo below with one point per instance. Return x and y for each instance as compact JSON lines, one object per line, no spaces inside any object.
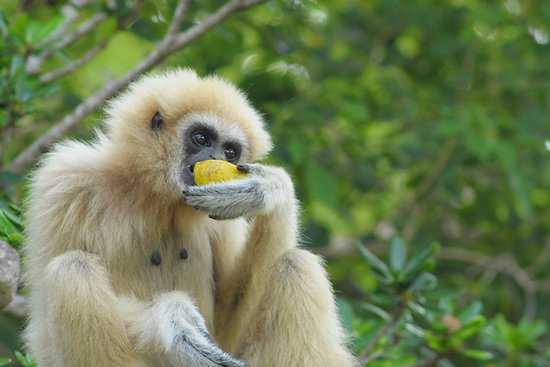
{"x":97,"y":212}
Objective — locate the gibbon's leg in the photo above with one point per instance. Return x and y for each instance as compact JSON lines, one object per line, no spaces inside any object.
{"x":170,"y":331}
{"x":278,"y":308}
{"x":294,"y":323}
{"x":85,"y":324}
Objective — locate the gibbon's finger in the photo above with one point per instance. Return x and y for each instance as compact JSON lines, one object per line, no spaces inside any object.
{"x":243,"y":167}
{"x":201,"y":351}
{"x":252,"y":169}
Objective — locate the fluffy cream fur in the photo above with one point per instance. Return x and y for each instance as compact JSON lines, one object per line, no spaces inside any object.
{"x":97,"y":212}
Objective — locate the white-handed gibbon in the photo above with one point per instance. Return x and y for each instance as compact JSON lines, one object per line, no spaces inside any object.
{"x":129,"y":263}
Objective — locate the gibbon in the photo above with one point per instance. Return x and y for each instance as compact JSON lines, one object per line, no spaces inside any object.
{"x":130,"y":264}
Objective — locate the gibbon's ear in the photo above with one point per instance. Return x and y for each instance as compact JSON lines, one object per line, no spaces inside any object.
{"x":157,"y":121}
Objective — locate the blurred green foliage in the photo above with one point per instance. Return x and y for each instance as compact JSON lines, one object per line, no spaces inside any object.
{"x":421,"y":119}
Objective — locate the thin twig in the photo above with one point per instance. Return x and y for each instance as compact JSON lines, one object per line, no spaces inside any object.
{"x":71,"y":16}
{"x":430,"y":362}
{"x":125,"y":20}
{"x":66,"y":69}
{"x":34,"y":64}
{"x":419,"y":201}
{"x":381,"y":352}
{"x":58,"y":73}
{"x":83,"y":29}
{"x":10,"y":122}
{"x":179,"y":15}
{"x":184,"y":38}
{"x":365,"y":355}
{"x":502,"y":263}
{"x":541,"y":260}
{"x":91,"y":104}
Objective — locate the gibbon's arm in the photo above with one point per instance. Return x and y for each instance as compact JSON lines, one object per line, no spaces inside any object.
{"x":268,"y":194}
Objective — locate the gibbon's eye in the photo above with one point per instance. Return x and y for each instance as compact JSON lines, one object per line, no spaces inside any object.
{"x":157,"y":121}
{"x":200,"y":139}
{"x":232,"y":153}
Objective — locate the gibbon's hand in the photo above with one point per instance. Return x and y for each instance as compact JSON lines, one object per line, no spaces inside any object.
{"x":262,"y":191}
{"x":177,"y":329}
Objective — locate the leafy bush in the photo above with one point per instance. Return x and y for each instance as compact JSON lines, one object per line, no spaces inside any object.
{"x":412,"y":321}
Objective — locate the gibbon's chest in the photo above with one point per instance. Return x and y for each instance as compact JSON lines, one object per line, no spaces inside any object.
{"x":178,"y":259}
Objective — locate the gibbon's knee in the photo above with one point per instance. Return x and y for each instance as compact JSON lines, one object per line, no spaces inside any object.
{"x":83,"y":312}
{"x":77,"y":276}
{"x":296,"y":322}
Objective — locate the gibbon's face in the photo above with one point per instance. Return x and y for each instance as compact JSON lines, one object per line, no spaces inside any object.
{"x":200,"y":137}
{"x":206,"y":136}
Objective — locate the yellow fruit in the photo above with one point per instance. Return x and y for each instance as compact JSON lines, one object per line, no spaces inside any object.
{"x":215,"y":171}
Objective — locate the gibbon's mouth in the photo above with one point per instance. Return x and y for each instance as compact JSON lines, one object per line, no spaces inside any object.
{"x":191,"y":169}
{"x":188,"y":175}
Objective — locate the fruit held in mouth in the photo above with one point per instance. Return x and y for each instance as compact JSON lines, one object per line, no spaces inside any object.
{"x":212,"y":171}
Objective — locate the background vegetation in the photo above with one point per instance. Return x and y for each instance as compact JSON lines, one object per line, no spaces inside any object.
{"x":410,"y":127}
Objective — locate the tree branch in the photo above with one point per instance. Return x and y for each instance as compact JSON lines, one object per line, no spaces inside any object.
{"x":184,"y":38}
{"x":91,"y":104}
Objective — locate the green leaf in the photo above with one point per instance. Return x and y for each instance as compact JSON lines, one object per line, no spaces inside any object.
{"x":17,"y":64}
{"x":419,"y":310}
{"x":10,"y":217}
{"x":469,"y":312}
{"x":415,"y":330}
{"x":5,"y":361}
{"x":322,"y":184}
{"x":480,"y":355}
{"x":355,"y":110}
{"x":26,"y":360}
{"x":3,"y":25}
{"x":41,"y":30}
{"x":398,"y":255}
{"x":470,"y":329}
{"x":417,"y":263}
{"x":8,"y":178}
{"x":377,"y":264}
{"x":434,"y":342}
{"x":346,"y":313}
{"x":298,"y":151}
{"x":424,"y":282}
{"x":446,"y":304}
{"x":377,"y":311}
